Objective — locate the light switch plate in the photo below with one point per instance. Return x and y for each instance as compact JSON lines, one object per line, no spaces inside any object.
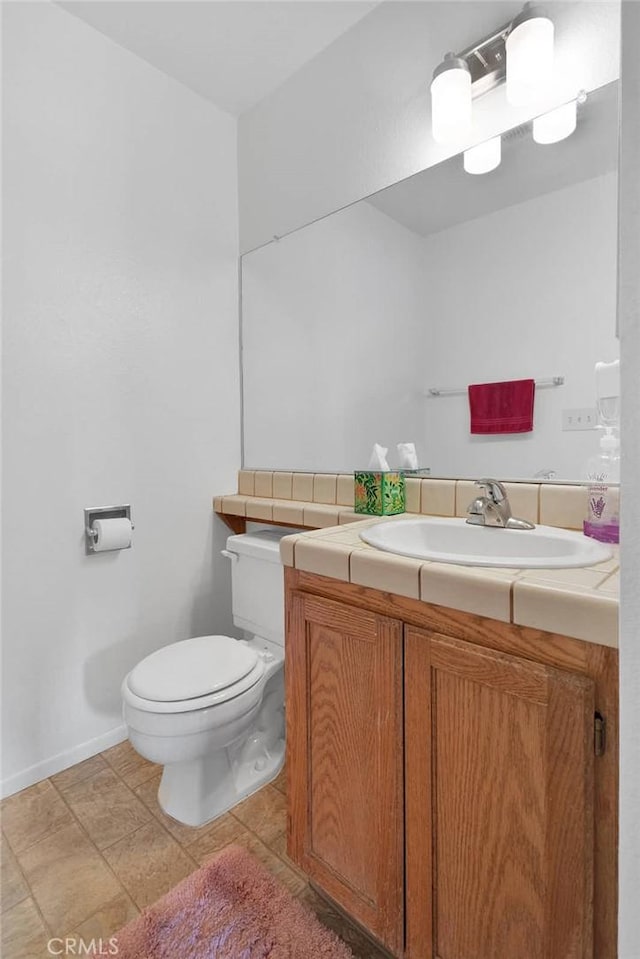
{"x":583,"y":419}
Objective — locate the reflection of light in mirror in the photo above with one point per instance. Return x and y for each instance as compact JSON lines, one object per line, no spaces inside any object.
{"x":529,"y":56}
{"x":484,"y":157}
{"x":556,"y":125}
{"x":450,"y":100}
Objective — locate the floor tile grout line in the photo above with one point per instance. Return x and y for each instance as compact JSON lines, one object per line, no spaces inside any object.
{"x":82,"y":780}
{"x":158,"y":813}
{"x":82,"y":828}
{"x":131,"y":790}
{"x":47,"y":927}
{"x":244,"y":826}
{"x":5,"y":912}
{"x":155,"y":766}
{"x":153,"y":814}
{"x":119,"y":881}
{"x":104,"y":905}
{"x":30,"y":894}
{"x":153,"y":821}
{"x":119,"y":774}
{"x":128,"y":892}
{"x":266,"y":844}
{"x":41,"y":838}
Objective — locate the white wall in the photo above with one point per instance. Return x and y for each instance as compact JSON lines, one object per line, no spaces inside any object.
{"x":331,"y":316}
{"x":120,"y":375}
{"x":528,"y":291}
{"x":629,"y":318}
{"x":357,"y":117}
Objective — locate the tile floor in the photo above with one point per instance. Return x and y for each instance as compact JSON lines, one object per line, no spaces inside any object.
{"x":84,"y":851}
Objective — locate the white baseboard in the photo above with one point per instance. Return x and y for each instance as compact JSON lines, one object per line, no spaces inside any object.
{"x":48,"y":767}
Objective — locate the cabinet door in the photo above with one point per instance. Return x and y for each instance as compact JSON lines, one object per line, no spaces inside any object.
{"x":344,"y":758}
{"x":499,"y":804}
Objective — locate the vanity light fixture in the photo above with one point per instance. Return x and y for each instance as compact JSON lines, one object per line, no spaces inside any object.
{"x":520,"y":51}
{"x":529,"y":48}
{"x":451,"y":99}
{"x":484,"y":157}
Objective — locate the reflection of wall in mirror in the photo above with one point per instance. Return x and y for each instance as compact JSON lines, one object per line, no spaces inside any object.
{"x":367,"y":315}
{"x":331,"y":316}
{"x":528,"y":291}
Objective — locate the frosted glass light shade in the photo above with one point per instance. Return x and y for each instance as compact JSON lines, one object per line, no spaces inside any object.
{"x":450,"y":100}
{"x":556,"y":125}
{"x":529,"y":47}
{"x":484,"y":157}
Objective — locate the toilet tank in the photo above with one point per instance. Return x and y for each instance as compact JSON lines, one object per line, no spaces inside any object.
{"x":257,"y":580}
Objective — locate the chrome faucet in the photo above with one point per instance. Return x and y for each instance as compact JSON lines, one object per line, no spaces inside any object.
{"x":493,"y":508}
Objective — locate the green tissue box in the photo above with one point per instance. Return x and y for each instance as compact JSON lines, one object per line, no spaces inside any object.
{"x":379,"y":494}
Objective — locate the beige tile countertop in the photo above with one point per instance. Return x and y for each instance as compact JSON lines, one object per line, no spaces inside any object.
{"x":582,"y":602}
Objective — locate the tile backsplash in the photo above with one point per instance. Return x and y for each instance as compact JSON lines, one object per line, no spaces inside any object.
{"x":322,"y":499}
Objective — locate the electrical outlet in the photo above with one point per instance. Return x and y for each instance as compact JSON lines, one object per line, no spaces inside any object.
{"x":585,"y":419}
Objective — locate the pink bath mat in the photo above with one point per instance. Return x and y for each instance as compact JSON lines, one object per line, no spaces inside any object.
{"x":232,"y":908}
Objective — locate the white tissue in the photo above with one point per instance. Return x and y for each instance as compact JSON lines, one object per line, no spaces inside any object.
{"x":407,"y":456}
{"x":378,"y":461}
{"x":112,"y":533}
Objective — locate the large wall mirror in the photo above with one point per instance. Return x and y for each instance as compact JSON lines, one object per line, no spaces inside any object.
{"x":440,"y":281}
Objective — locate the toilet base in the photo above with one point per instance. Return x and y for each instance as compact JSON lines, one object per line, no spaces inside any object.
{"x":199,"y":791}
{"x":214,"y":758}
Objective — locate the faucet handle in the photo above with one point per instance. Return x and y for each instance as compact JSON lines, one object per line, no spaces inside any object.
{"x":494,"y":488}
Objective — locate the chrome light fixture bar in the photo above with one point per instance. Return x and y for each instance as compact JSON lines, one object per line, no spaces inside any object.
{"x":487,"y":61}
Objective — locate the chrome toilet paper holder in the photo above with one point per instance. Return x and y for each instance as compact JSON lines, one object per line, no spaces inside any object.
{"x":93,"y":513}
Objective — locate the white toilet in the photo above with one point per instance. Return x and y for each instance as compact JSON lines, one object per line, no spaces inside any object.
{"x":211,"y":709}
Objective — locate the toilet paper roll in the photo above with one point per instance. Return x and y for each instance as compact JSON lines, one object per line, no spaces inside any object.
{"x":112,"y":534}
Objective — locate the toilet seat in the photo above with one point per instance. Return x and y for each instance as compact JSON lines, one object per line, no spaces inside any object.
{"x":193,"y":674}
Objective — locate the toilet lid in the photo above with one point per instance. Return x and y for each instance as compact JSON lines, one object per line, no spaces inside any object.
{"x":192,"y":668}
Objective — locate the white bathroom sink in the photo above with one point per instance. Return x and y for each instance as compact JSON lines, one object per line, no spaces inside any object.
{"x":444,"y":540}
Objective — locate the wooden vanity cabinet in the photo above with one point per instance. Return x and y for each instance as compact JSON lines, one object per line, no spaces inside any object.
{"x":444,"y":787}
{"x":344,"y":758}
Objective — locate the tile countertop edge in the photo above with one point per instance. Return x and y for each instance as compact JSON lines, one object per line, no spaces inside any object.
{"x":522,"y":597}
{"x":541,"y":599}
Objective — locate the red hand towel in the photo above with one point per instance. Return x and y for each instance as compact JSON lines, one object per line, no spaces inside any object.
{"x":502,"y":407}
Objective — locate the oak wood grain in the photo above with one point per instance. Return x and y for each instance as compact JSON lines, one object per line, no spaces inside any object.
{"x":344,"y":725}
{"x":239,"y":523}
{"x":602,"y":666}
{"x":510,"y":806}
{"x":534,"y":644}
